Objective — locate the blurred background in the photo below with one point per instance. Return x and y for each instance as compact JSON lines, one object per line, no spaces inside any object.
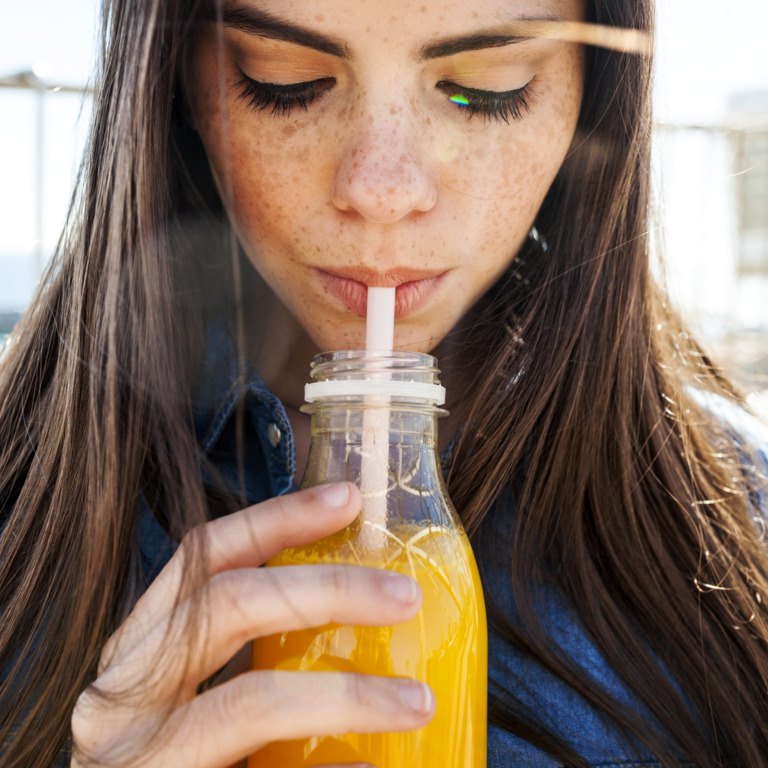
{"x":710,"y":171}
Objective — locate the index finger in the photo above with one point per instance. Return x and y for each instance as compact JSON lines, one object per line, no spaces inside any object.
{"x":244,"y":539}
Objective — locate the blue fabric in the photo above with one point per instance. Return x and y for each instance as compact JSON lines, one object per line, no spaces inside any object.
{"x":269,"y":472}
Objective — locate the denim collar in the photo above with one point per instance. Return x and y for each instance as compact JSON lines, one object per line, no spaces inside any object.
{"x":225,"y":381}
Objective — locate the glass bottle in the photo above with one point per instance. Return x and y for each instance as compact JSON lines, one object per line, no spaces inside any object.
{"x":374,"y":422}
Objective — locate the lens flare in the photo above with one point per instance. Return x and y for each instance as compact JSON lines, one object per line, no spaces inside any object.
{"x":459,"y":99}
{"x":448,"y":143}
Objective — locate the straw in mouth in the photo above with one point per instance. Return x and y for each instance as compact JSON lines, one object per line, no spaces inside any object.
{"x":380,"y":320}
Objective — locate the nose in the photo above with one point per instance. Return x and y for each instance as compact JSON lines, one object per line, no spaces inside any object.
{"x":381,"y":176}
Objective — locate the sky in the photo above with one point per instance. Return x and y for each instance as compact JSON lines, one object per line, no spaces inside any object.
{"x":706,"y":50}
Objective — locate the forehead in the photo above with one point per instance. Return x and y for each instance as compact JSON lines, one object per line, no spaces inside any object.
{"x":407,"y":23}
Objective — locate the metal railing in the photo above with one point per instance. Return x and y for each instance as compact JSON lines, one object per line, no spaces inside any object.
{"x":30,"y":80}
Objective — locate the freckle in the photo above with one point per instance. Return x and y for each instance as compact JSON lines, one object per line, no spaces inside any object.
{"x":319,"y":17}
{"x":423,"y":8}
{"x":393,"y":110}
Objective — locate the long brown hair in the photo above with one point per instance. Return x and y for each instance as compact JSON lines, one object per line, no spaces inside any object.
{"x":94,"y":394}
{"x":586,"y":362}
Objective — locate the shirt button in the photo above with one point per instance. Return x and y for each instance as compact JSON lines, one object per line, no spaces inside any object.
{"x":274,"y":434}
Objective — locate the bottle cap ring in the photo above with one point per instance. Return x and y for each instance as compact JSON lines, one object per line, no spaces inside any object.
{"x":433,"y":393}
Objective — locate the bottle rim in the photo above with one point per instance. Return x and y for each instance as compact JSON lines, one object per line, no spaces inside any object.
{"x":396,"y":358}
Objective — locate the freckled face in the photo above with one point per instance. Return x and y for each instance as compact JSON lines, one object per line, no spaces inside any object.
{"x":381,"y":142}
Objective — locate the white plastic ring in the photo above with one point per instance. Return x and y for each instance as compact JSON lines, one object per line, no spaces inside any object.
{"x":434,"y":393}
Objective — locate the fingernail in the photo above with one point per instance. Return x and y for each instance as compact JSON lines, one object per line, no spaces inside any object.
{"x":333,"y":494}
{"x":416,"y":695}
{"x":402,"y":588}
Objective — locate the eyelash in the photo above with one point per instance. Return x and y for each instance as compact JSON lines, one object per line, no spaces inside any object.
{"x":281,"y":100}
{"x":492,"y":105}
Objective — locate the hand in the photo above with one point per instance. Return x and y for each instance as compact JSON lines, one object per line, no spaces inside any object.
{"x":145,"y":693}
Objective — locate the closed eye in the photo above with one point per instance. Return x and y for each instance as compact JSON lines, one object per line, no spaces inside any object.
{"x":281,"y":99}
{"x":492,"y":105}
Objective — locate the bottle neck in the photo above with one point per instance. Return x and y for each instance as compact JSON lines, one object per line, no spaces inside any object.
{"x":406,"y":424}
{"x":374,"y":417}
{"x":343,"y":434}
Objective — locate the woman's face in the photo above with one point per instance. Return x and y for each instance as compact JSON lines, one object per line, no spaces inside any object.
{"x":402,"y":143}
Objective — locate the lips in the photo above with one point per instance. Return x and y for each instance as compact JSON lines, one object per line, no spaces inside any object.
{"x":414,"y":287}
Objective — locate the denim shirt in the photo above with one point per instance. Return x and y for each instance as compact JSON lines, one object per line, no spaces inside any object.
{"x":269,"y":471}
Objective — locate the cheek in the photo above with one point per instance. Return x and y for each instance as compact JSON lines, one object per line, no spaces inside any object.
{"x":269,"y":178}
{"x":495,"y":187}
{"x":508,"y":169}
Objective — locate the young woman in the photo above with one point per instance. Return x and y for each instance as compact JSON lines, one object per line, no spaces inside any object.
{"x":253,"y":165}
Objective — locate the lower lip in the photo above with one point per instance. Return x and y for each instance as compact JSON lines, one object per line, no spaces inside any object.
{"x":409,"y":297}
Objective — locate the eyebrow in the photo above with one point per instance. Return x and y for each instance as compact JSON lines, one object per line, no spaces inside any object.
{"x":257,"y":22}
{"x":254,"y":21}
{"x":461,"y":44}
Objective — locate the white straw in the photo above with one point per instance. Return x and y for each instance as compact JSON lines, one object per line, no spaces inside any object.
{"x":374,"y":480}
{"x":380,"y":320}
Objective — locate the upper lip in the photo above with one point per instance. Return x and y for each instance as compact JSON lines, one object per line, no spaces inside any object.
{"x":389,"y":279}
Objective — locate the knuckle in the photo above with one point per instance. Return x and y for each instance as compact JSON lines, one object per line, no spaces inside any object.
{"x":233,"y":702}
{"x":229,"y":590}
{"x":243,"y":699}
{"x":283,"y":512}
{"x":107,"y":654}
{"x":192,"y":542}
{"x":338,"y":580}
{"x":185,"y":543}
{"x":360,"y":691}
{"x":83,"y":715}
{"x":282,"y":507}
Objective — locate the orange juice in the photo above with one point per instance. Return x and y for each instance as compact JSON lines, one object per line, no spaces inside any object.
{"x":445,"y":645}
